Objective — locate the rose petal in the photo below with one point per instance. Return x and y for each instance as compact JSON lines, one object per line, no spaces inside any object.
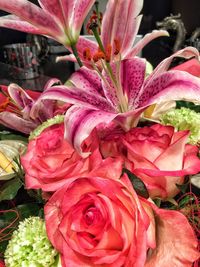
{"x":176,"y":241}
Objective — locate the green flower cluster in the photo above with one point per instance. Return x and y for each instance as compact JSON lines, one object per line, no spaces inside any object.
{"x":30,"y":247}
{"x":55,"y":120}
{"x":184,"y":119}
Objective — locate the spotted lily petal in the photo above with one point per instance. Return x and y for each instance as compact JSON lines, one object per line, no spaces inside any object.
{"x":171,"y":85}
{"x":80,"y":11}
{"x":70,"y":13}
{"x":130,"y":75}
{"x":132,"y":78}
{"x":120,"y":23}
{"x":18,"y":114}
{"x":187,"y":52}
{"x":59,"y":19}
{"x":79,"y":123}
{"x":74,"y":95}
{"x":88,"y":80}
{"x":15,"y":23}
{"x":32,"y":14}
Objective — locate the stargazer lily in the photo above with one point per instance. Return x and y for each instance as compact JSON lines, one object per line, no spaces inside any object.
{"x":120,"y":93}
{"x":17,"y":112}
{"x":120,"y":25}
{"x":59,"y":19}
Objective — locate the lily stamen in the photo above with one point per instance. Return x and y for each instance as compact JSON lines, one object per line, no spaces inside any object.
{"x":87,"y":54}
{"x":117,"y":46}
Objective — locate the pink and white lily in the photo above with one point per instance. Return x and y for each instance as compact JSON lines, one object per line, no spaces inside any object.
{"x":59,"y":19}
{"x":120,"y":25}
{"x":121,"y":95}
{"x":17,"y":115}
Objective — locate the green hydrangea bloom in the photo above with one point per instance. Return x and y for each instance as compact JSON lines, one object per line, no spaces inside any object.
{"x":30,"y":247}
{"x":55,"y":120}
{"x":184,"y":119}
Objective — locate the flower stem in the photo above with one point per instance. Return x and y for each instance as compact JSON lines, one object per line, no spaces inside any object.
{"x":98,"y":14}
{"x":75,"y":52}
{"x":93,"y":27}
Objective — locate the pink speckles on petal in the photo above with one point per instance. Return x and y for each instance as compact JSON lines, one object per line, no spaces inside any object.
{"x":76,"y":96}
{"x":88,"y":80}
{"x":187,"y":52}
{"x":13,"y":22}
{"x":32,"y":14}
{"x":132,"y":77}
{"x":81,"y":9}
{"x":171,"y":85}
{"x":109,"y":87}
{"x":56,"y":8}
{"x":119,"y":23}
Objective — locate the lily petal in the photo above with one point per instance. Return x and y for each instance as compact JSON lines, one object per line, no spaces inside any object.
{"x":12,"y":121}
{"x":131,"y":32}
{"x":77,"y":96}
{"x":20,"y":97}
{"x":109,"y":86}
{"x":70,"y":13}
{"x":67,"y":58}
{"x":15,"y":23}
{"x":131,"y":73}
{"x":171,"y":85}
{"x":119,"y":23}
{"x":32,"y":14}
{"x":187,"y":52}
{"x":58,"y":9}
{"x":144,"y":41}
{"x":88,"y":80}
{"x":132,"y":78}
{"x":51,"y":82}
{"x":79,"y":123}
{"x":80,"y":11}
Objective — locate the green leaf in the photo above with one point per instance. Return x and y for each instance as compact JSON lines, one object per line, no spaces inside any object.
{"x":9,"y":189}
{"x":27,"y":210}
{"x":183,"y":187}
{"x":7,"y":135}
{"x":188,"y":199}
{"x":138,"y":184}
{"x":186,"y":104}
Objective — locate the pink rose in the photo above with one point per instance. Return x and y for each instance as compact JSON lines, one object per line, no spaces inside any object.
{"x":102,"y":222}
{"x":161,"y":158}
{"x":110,"y":137}
{"x":2,"y":264}
{"x":50,"y":161}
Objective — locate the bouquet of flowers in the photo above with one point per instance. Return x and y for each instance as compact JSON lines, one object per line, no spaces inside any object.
{"x":97,"y":172}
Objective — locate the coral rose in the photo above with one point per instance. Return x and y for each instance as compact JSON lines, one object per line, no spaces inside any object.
{"x":102,"y":222}
{"x":50,"y":161}
{"x":161,"y":158}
